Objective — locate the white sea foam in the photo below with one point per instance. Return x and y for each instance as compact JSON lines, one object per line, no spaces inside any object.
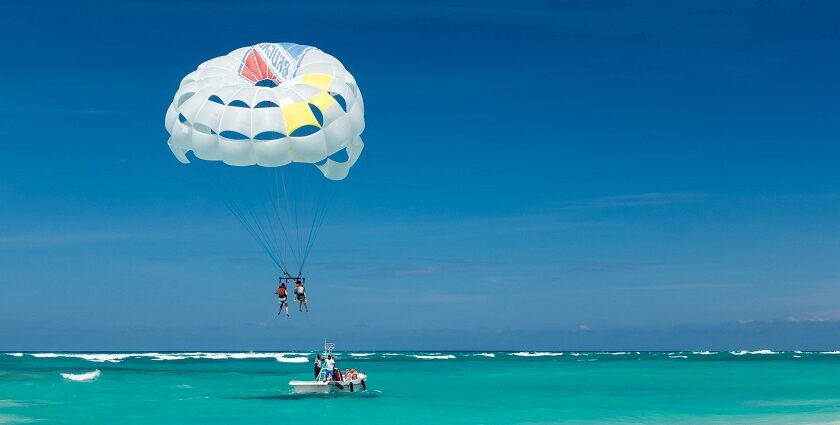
{"x":614,"y":353}
{"x":15,"y":419}
{"x":536,"y":354}
{"x":118,"y":357}
{"x":434,"y":357}
{"x":704,"y":353}
{"x":81,"y":377}
{"x":738,"y":353}
{"x":281,"y":358}
{"x":361,"y":354}
{"x":797,"y":357}
{"x":44,"y":355}
{"x":677,"y":357}
{"x":242,"y":356}
{"x":97,"y":357}
{"x":101,"y":358}
{"x":162,"y":357}
{"x":14,"y":354}
{"x":485,"y":354}
{"x":763,"y":352}
{"x":830,"y":352}
{"x":580,"y":354}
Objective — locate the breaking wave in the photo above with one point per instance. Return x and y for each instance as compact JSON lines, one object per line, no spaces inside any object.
{"x":536,"y":354}
{"x":81,"y":377}
{"x":98,"y":358}
{"x":283,"y":359}
{"x":303,"y":357}
{"x":169,"y":357}
{"x":118,"y":357}
{"x":433,"y":357}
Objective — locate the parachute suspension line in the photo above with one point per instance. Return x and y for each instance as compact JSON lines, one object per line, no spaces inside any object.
{"x":263,"y":238}
{"x":267,"y":236}
{"x":281,"y":237}
{"x":240,"y":216}
{"x":289,"y":203}
{"x":227,"y":190}
{"x":269,"y":207}
{"x":289,"y":209}
{"x":322,"y":206}
{"x":276,"y":241}
{"x":277,"y":210}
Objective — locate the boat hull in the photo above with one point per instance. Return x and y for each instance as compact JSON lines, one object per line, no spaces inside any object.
{"x":321,"y":387}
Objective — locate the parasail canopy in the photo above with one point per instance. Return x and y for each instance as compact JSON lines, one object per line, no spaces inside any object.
{"x":272,"y":108}
{"x":270,"y":105}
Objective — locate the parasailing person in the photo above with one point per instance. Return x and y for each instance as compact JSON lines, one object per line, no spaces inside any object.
{"x":300,"y":294}
{"x":283,"y":297}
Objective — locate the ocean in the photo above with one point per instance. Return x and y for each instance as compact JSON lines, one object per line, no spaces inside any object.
{"x":745,"y":387}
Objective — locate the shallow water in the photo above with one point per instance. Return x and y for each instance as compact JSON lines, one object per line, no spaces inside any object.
{"x":424,"y":388}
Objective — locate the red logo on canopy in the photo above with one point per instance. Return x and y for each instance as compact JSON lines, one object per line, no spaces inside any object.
{"x":255,"y":69}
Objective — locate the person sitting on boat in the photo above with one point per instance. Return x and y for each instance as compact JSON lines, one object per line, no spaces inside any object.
{"x":318,"y":361}
{"x":282,"y":295}
{"x":329,"y":365}
{"x":300,"y":292}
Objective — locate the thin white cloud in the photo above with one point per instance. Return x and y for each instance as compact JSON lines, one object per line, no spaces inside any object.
{"x":65,"y":111}
{"x":58,"y":238}
{"x":606,"y":266}
{"x":429,"y":268}
{"x":636,"y":200}
{"x":678,"y":286}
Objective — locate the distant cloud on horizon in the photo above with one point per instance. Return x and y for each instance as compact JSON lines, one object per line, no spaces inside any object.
{"x":59,"y":238}
{"x":637,"y":200}
{"x":428,"y":267}
{"x":606,"y":266}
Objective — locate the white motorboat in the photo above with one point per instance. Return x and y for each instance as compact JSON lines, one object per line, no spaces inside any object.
{"x":351,"y":381}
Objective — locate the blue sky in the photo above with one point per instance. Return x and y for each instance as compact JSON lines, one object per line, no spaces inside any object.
{"x":536,"y":175}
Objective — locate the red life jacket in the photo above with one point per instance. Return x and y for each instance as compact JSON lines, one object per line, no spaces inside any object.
{"x":281,"y":292}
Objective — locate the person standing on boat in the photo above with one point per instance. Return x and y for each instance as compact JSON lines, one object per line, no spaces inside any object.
{"x":300,"y":293}
{"x":318,"y":361}
{"x":329,"y":365}
{"x":282,"y":296}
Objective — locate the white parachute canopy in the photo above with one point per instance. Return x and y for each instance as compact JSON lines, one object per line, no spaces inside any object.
{"x":267,"y":109}
{"x":270,"y":104}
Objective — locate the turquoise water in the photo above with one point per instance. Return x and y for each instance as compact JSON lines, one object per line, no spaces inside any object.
{"x":426,"y":388}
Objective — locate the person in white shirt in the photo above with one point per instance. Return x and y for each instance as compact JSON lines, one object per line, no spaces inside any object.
{"x":329,"y":365}
{"x":300,"y":293}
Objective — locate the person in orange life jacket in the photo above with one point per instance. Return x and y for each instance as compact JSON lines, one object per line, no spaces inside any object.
{"x":300,"y":292}
{"x":283,"y":296}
